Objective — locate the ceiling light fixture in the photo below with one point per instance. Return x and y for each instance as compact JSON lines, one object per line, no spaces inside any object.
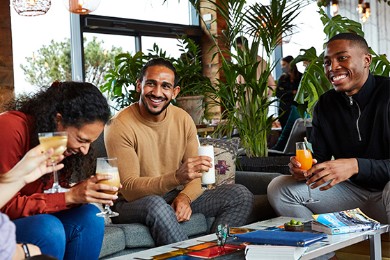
{"x":364,"y":10}
{"x":31,"y":7}
{"x":81,"y":6}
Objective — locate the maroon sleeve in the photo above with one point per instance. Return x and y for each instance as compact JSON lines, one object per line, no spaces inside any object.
{"x":15,"y":142}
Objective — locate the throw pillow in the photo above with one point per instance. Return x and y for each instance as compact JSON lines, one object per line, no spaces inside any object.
{"x":225,"y":153}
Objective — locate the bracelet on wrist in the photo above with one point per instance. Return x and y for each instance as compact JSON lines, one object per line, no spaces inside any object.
{"x":26,"y":251}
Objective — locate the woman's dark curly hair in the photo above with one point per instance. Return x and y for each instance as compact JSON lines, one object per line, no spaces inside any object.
{"x":79,"y":103}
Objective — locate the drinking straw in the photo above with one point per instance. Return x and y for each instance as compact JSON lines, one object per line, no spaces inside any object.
{"x":197,"y":139}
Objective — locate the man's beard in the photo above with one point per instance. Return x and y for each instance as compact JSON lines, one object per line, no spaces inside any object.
{"x":156,"y":113}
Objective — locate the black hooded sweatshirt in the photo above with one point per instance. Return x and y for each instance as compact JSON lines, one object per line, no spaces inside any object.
{"x":356,"y":127}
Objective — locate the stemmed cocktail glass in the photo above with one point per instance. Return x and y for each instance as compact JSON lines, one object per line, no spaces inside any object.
{"x":108,"y":166}
{"x":305,"y":158}
{"x":57,"y":141}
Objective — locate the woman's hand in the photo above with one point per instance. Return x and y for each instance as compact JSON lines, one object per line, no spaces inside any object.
{"x":91,"y":191}
{"x":33,"y":165}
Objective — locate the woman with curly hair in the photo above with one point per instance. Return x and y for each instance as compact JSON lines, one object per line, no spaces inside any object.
{"x":63,"y":225}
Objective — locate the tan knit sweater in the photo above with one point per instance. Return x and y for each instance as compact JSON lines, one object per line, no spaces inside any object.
{"x":149,"y":153}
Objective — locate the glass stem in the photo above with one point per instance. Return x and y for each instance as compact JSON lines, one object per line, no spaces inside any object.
{"x":55,"y":175}
{"x":107,"y":209}
{"x":309,"y":189}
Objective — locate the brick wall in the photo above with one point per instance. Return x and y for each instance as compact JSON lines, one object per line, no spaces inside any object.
{"x":210,"y":65}
{"x":6,"y":62}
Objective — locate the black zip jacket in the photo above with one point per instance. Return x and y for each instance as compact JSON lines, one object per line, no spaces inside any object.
{"x":356,"y":127}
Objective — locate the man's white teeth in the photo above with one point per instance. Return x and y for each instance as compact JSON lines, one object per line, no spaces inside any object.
{"x":338,"y":77}
{"x":156,"y":100}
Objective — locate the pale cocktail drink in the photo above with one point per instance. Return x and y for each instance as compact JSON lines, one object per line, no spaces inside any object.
{"x":58,"y":143}
{"x":114,"y":181}
{"x":108,"y":166}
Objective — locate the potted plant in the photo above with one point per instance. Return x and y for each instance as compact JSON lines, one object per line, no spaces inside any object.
{"x":120,"y":81}
{"x":245,"y":105}
{"x":314,"y":81}
{"x":193,"y":84}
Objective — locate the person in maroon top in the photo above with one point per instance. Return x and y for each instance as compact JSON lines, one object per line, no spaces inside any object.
{"x":63,"y":225}
{"x":33,"y":165}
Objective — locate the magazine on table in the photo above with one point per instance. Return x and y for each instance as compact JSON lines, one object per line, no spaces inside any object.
{"x":346,"y":221}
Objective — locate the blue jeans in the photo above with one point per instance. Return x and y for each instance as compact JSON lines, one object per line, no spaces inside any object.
{"x":75,"y":233}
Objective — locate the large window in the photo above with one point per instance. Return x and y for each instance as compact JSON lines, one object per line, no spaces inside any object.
{"x":148,"y":10}
{"x":148,"y":21}
{"x":29,"y":34}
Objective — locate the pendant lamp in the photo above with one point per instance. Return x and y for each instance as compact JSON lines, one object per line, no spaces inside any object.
{"x":31,"y":7}
{"x":81,"y":6}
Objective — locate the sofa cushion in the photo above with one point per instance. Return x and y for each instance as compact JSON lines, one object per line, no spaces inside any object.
{"x":114,"y":240}
{"x":136,"y":235}
{"x":196,"y":226}
{"x":225,"y":152}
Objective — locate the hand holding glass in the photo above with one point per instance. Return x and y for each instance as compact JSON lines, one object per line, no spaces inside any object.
{"x":305,"y":158}
{"x":108,"y":166}
{"x":57,"y":141}
{"x":209,"y":176}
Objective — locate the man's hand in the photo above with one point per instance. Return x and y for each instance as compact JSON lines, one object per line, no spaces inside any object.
{"x":192,"y":168}
{"x":332,"y":172}
{"x":295,"y":170}
{"x":182,"y":207}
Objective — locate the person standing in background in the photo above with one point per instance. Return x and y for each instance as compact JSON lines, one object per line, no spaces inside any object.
{"x":241,"y":42}
{"x":287,"y":88}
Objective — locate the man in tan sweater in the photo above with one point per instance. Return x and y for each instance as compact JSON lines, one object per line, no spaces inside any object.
{"x":156,"y":146}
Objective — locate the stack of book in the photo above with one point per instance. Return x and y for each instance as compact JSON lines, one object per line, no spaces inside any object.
{"x":256,"y":252}
{"x":346,"y":221}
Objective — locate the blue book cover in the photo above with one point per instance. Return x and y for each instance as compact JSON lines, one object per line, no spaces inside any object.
{"x":284,"y":238}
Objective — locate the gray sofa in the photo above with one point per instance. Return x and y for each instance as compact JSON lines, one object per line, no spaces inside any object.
{"x":121,"y":239}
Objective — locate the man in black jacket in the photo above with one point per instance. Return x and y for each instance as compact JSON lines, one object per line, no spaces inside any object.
{"x":351,"y":123}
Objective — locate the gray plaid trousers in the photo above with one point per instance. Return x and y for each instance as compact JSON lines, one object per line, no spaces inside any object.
{"x":230,"y":204}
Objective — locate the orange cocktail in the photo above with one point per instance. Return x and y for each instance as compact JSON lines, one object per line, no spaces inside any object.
{"x":303,"y":156}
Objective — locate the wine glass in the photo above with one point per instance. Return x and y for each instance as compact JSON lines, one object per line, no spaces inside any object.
{"x":305,"y":158}
{"x":108,"y":166}
{"x":57,"y":141}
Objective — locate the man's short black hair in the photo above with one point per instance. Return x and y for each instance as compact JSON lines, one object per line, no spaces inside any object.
{"x":159,"y":62}
{"x":288,"y":59}
{"x":352,"y":37}
{"x":241,"y":40}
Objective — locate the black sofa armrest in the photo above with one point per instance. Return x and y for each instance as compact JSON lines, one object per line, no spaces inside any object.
{"x":256,"y":182}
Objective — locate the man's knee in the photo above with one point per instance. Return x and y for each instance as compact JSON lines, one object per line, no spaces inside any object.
{"x":157,"y":208}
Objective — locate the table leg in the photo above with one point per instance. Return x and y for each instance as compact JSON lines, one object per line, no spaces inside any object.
{"x":375,"y":246}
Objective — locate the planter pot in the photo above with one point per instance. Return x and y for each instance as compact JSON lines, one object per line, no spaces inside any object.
{"x":193,"y":105}
{"x":277,"y":164}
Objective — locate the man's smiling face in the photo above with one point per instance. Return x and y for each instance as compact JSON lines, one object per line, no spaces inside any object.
{"x":157,"y":90}
{"x":346,"y":66}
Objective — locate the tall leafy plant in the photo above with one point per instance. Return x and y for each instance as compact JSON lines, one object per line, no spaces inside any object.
{"x":314,"y":81}
{"x":245,"y":103}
